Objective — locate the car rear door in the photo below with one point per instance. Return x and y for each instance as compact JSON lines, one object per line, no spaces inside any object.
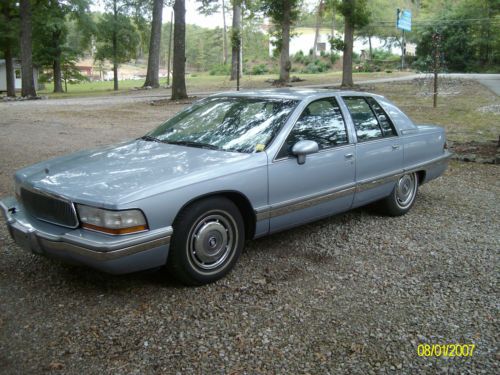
{"x":324,"y":184}
{"x":379,"y":151}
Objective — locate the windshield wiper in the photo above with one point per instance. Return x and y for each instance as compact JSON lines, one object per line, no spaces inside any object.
{"x":194,"y":144}
{"x":150,"y":138}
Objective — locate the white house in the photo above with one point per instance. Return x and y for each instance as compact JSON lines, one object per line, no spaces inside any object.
{"x":303,"y":40}
{"x":17,"y":75}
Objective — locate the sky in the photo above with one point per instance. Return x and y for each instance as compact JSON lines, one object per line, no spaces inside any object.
{"x":192,"y":16}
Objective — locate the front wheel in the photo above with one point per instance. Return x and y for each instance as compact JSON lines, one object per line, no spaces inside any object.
{"x":208,"y":240}
{"x":402,"y":197}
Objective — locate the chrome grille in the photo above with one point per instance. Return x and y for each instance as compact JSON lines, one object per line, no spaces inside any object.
{"x":47,"y":208}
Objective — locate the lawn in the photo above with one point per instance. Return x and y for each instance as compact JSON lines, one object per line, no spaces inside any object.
{"x":203,"y":82}
{"x":468,"y":110}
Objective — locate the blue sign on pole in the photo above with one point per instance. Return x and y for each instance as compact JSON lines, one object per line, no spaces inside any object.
{"x":404,"y":20}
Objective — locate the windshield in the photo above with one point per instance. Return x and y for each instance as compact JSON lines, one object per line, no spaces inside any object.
{"x":229,"y":124}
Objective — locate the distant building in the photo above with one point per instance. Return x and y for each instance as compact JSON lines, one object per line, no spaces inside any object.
{"x":303,"y":40}
{"x":17,"y":75}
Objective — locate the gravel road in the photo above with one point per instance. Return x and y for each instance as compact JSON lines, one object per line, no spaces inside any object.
{"x":355,"y":294}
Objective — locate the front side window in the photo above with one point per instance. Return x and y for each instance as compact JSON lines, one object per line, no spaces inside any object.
{"x":321,"y":122}
{"x":229,"y":124}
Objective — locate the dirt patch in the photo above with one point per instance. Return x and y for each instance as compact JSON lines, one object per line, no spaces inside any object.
{"x":478,"y":152}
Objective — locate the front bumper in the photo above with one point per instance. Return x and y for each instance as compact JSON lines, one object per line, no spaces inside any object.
{"x":113,"y":254}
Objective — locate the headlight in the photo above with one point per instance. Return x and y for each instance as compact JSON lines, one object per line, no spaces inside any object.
{"x":112,"y":222}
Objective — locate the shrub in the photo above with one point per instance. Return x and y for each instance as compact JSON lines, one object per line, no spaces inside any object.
{"x":260,"y":69}
{"x":311,"y":68}
{"x":220,"y":70}
{"x":334,"y":57}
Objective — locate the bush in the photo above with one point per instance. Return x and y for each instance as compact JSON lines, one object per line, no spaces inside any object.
{"x":298,"y":57}
{"x":355,"y":58}
{"x":316,"y":66}
{"x":260,"y":69}
{"x":334,"y":57}
{"x":311,"y":68}
{"x":220,"y":70}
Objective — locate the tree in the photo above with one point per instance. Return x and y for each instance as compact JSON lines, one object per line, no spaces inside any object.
{"x":210,"y":7}
{"x":469,"y":33}
{"x":50,"y":26}
{"x":116,"y":38}
{"x":355,"y":15}
{"x":8,"y":39}
{"x":179,"y":59}
{"x":152,"y":75}
{"x":28,"y":82}
{"x":283,"y":13}
{"x":319,"y":17}
{"x":236,"y":40}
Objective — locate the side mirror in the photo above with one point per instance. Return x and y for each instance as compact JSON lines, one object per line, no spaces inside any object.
{"x":303,"y":148}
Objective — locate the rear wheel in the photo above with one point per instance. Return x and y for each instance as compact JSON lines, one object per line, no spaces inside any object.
{"x":402,"y":197}
{"x":208,"y":240}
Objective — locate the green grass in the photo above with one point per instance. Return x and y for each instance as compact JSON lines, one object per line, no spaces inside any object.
{"x":457,"y":109}
{"x":91,"y":88}
{"x":201,"y":82}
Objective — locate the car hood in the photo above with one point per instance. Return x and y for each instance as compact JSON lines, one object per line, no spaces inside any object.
{"x":125,"y":172}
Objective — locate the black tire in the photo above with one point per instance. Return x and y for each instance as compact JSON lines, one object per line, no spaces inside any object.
{"x":402,"y":197}
{"x":208,"y":239}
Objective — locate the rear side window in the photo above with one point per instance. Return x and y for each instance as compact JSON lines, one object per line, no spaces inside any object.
{"x":370,"y":120}
{"x":384,"y":121}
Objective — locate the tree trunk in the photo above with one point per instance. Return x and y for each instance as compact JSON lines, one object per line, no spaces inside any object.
{"x":318,"y":23}
{"x":9,"y":66}
{"x":115,"y":47}
{"x":236,"y":31}
{"x":347,"y":58}
{"x":9,"y":60}
{"x":28,"y":83}
{"x":285,"y":64}
{"x":152,"y":76}
{"x":56,"y":64}
{"x":370,"y":46}
{"x":179,"y":60}
{"x":333,"y":22}
{"x":224,"y":40}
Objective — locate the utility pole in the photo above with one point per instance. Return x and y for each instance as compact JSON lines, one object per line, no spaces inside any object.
{"x":436,"y":39}
{"x":403,"y":44}
{"x":403,"y":51}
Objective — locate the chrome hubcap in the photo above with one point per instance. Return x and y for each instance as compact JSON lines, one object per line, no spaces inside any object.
{"x":405,"y":190}
{"x":212,"y":240}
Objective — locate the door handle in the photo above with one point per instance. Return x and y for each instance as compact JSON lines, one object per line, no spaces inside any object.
{"x":395,"y":147}
{"x":348,"y":156}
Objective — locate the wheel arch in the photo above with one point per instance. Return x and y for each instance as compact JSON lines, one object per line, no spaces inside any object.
{"x":421,"y":176}
{"x":239,"y":199}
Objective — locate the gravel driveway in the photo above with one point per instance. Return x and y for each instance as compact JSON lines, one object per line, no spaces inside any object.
{"x":356,"y":293}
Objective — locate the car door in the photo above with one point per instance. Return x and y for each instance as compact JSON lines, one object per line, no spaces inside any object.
{"x":379,"y":151}
{"x":324,"y":184}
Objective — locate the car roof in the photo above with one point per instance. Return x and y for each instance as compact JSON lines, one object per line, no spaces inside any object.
{"x":289,"y":93}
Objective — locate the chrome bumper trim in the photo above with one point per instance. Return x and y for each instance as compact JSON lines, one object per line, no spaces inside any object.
{"x":40,"y":241}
